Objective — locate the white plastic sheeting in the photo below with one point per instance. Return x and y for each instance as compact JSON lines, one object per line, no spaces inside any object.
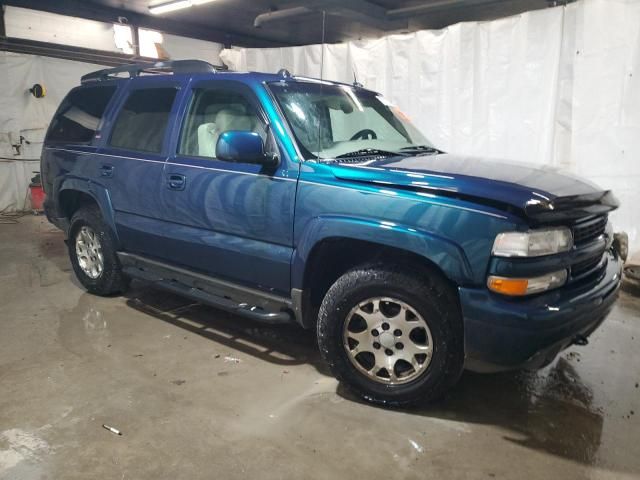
{"x":51,"y":27}
{"x":182,"y":48}
{"x":21,"y":114}
{"x":559,"y":86}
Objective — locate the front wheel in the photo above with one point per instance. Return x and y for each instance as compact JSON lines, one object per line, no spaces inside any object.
{"x":391,"y":336}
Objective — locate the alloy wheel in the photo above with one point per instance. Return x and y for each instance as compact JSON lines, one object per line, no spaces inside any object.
{"x":387,"y":340}
{"x":89,"y":252}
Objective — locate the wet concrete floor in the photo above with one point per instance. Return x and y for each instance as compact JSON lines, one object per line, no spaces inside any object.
{"x":200,"y":394}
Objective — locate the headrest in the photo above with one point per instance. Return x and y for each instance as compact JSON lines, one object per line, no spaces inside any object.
{"x":213,"y":109}
{"x":229,"y":119}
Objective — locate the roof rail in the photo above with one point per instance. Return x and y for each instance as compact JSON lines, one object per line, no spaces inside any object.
{"x":135,"y":69}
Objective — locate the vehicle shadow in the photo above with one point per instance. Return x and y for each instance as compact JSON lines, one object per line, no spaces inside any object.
{"x":551,"y":410}
{"x":278,"y":344}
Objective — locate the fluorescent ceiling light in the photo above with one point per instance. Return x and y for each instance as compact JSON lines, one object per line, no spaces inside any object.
{"x":175,"y":5}
{"x":169,"y":7}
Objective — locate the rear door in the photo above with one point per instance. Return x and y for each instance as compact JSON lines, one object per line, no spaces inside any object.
{"x":132,"y":159}
{"x":231,"y":220}
{"x":73,"y":135}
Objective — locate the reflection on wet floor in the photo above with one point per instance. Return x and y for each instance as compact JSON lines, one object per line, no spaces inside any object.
{"x":280,"y":344}
{"x":550,"y":410}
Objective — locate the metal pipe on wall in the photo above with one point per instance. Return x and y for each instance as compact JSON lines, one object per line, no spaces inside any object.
{"x":278,"y":15}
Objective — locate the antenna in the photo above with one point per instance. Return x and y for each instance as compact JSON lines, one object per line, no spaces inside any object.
{"x":324,"y":17}
{"x":356,"y":83}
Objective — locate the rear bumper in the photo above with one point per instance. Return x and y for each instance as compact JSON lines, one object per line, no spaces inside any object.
{"x":503,"y":333}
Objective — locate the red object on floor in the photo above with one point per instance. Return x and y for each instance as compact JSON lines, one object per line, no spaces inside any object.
{"x":37,"y":197}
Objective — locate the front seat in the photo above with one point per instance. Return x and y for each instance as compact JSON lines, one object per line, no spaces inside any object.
{"x":206,"y":147}
{"x":228,"y":119}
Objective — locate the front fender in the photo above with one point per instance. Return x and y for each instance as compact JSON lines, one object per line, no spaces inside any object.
{"x":98,"y":193}
{"x":446,"y":254}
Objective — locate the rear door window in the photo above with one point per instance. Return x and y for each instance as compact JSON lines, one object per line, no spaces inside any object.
{"x":142,"y":122}
{"x":79,"y":115}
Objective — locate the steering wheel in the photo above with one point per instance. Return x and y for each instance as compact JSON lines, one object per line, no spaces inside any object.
{"x":364,"y":134}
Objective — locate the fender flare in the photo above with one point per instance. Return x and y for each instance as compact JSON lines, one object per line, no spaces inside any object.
{"x":99,"y":193}
{"x":443,"y":252}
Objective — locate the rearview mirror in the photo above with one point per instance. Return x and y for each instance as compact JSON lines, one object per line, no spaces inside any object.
{"x":241,"y":146}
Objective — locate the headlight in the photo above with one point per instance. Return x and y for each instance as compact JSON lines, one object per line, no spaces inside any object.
{"x":516,"y":287}
{"x":534,"y":243}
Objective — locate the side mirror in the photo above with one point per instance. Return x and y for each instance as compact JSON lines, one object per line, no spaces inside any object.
{"x":242,"y":146}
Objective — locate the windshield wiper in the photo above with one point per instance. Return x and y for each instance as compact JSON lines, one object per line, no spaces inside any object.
{"x":373,"y":152}
{"x":421,"y":149}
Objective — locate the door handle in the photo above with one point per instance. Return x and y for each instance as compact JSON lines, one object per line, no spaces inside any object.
{"x":176,"y":181}
{"x":106,"y":171}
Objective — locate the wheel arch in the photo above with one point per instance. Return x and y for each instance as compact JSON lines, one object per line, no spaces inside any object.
{"x":74,"y":194}
{"x":332,"y":246}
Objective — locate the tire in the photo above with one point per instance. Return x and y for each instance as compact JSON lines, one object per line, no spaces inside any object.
{"x":428,"y":300}
{"x":87,"y":223}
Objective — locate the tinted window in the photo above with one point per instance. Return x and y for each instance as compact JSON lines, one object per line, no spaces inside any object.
{"x":79,"y":115}
{"x":143,"y":120}
{"x":212,"y":112}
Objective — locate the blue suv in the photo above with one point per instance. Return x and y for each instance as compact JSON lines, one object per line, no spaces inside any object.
{"x":291,"y":199}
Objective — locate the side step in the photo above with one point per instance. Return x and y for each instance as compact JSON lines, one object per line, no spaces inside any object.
{"x":247,"y":302}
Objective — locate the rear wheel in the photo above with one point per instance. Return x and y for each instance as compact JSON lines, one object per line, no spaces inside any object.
{"x":92,"y":253}
{"x":393,"y":337}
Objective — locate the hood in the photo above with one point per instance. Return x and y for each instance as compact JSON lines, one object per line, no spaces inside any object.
{"x":541,"y":194}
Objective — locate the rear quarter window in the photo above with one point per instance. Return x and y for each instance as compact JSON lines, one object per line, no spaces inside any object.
{"x":79,"y":115}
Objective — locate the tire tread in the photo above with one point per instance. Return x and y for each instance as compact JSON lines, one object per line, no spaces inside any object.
{"x":112,"y":279}
{"x":441,"y":298}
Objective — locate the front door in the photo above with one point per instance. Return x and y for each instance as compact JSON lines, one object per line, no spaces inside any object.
{"x":230,"y":220}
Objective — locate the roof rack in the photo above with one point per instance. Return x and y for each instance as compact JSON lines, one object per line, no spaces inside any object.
{"x":135,"y":69}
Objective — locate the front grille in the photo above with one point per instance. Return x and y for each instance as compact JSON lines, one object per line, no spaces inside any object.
{"x":585,"y":232}
{"x":586,"y":266}
{"x":589,"y":230}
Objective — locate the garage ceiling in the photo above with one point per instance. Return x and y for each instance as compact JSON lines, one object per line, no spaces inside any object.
{"x":232,"y":21}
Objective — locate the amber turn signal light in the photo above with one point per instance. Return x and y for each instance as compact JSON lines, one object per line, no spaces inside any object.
{"x":508,"y":286}
{"x":517,"y":287}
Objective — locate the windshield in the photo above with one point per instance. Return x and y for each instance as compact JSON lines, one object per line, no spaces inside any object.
{"x":331,"y":121}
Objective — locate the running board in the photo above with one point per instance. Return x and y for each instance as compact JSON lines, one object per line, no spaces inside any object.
{"x":247,"y":302}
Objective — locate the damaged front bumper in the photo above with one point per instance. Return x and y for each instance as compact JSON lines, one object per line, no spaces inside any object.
{"x":511,"y":333}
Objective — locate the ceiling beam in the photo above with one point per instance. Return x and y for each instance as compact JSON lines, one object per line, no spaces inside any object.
{"x":366,"y":13}
{"x":101,"y":13}
{"x":361,"y":11}
{"x":427,"y":7}
{"x":78,"y":54}
{"x":373,"y":15}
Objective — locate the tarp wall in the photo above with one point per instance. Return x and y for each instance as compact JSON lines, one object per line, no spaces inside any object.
{"x":559,"y":86}
{"x":21,"y":114}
